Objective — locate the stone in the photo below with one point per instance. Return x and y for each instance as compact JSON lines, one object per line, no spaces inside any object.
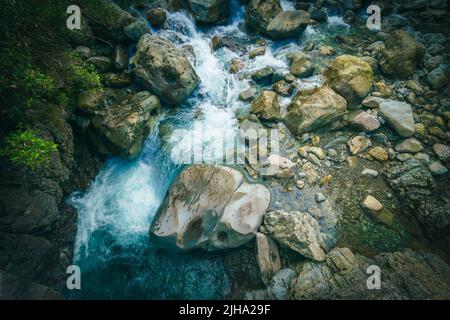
{"x":282,"y":88}
{"x":280,"y":284}
{"x":277,"y":166}
{"x":313,"y":109}
{"x":363,"y":122}
{"x":301,"y":66}
{"x":399,"y":116}
{"x":136,"y":30}
{"x":209,"y":207}
{"x":438,"y":77}
{"x":120,"y":59}
{"x":372,"y":102}
{"x":101,"y":64}
{"x":311,"y":173}
{"x":266,"y":105}
{"x":400,"y":55}
{"x":287,"y":24}
{"x":120,"y":129}
{"x":16,"y":288}
{"x":217,"y":43}
{"x":236,"y":65}
{"x":351,"y":77}
{"x":164,"y":70}
{"x":411,"y":145}
{"x":263,"y":75}
{"x":371,"y":204}
{"x":261,"y":12}
{"x":248,"y":94}
{"x":260,"y":51}
{"x":89,"y":101}
{"x":319,"y":197}
{"x":117,"y":80}
{"x":379,"y":153}
{"x":319,"y":15}
{"x":209,"y":11}
{"x":297,"y":231}
{"x":442,"y":151}
{"x":157,"y":17}
{"x":369,"y":172}
{"x":267,"y":256}
{"x":358,"y":144}
{"x":300,"y":184}
{"x":437,"y":169}
{"x":83,"y":51}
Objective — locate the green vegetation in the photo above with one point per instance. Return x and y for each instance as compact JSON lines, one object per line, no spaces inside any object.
{"x":26,"y":148}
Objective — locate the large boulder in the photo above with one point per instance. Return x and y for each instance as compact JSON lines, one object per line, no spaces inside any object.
{"x":400,"y":55}
{"x":314,"y":109}
{"x":120,"y":129}
{"x":287,"y":24}
{"x":209,"y":207}
{"x":344,"y":275}
{"x":261,"y":12}
{"x":267,"y":105}
{"x":351,"y":77}
{"x":399,"y":116}
{"x":209,"y":11}
{"x":164,"y":69}
{"x":297,"y":231}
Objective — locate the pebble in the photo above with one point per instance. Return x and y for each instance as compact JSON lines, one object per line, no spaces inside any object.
{"x":320,"y":197}
{"x":372,"y":204}
{"x":411,"y":145}
{"x":437,"y":169}
{"x":442,"y":151}
{"x":369,"y":172}
{"x":300,"y":184}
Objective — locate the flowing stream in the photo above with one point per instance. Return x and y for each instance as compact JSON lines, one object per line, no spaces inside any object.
{"x":112,"y":246}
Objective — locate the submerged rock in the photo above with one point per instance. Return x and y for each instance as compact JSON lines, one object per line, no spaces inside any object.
{"x":209,"y":207}
{"x":297,"y":231}
{"x":164,"y":69}
{"x":277,"y":166}
{"x":314,"y":109}
{"x":121,"y":129}
{"x":351,"y":77}
{"x":400,"y":55}
{"x":399,"y":116}
{"x":288,"y":24}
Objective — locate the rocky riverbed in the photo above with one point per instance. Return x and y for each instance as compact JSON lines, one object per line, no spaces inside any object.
{"x":359,"y":177}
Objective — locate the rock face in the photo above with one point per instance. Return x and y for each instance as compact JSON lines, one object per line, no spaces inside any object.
{"x":404,"y":275}
{"x":313,"y":109}
{"x":209,"y":11}
{"x":399,"y":116}
{"x":261,"y":12}
{"x":121,"y":129}
{"x":401,"y":54}
{"x":209,"y":207}
{"x":288,"y":24}
{"x":164,"y":70}
{"x":267,"y":105}
{"x":351,"y":77}
{"x":297,"y":231}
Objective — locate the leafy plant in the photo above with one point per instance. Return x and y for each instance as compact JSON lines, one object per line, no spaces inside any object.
{"x":26,"y":148}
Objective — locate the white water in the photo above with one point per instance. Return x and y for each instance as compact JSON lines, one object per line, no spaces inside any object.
{"x":115,"y":213}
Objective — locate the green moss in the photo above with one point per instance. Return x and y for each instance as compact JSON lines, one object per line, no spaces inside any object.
{"x":26,"y":148}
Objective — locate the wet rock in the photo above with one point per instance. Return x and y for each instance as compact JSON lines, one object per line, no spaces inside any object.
{"x":399,"y":116}
{"x":267,"y":105}
{"x":319,"y":15}
{"x":297,"y":231}
{"x":209,"y":11}
{"x":319,"y":197}
{"x":267,"y":256}
{"x":351,"y":77}
{"x":277,"y":166}
{"x":437,"y":169}
{"x":288,"y":24}
{"x":157,"y":17}
{"x":379,"y":153}
{"x":442,"y":151}
{"x":120,"y":60}
{"x":260,"y":51}
{"x":136,"y":30}
{"x":16,"y":288}
{"x":101,"y":64}
{"x":164,"y":70}
{"x":301,"y":66}
{"x":363,"y":122}
{"x":120,"y":129}
{"x":408,"y":275}
{"x":117,"y":80}
{"x":217,"y":43}
{"x":439,"y":77}
{"x":371,"y":204}
{"x":411,"y":145}
{"x":248,"y":94}
{"x":261,"y":12}
{"x":401,"y":55}
{"x":282,"y":88}
{"x":280,"y":284}
{"x":263,"y":75}
{"x":89,"y":101}
{"x":358,"y":144}
{"x":209,"y":207}
{"x":314,"y":109}
{"x":236,"y":65}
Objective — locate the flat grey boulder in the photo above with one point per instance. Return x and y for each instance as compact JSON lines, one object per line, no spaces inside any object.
{"x":399,"y":116}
